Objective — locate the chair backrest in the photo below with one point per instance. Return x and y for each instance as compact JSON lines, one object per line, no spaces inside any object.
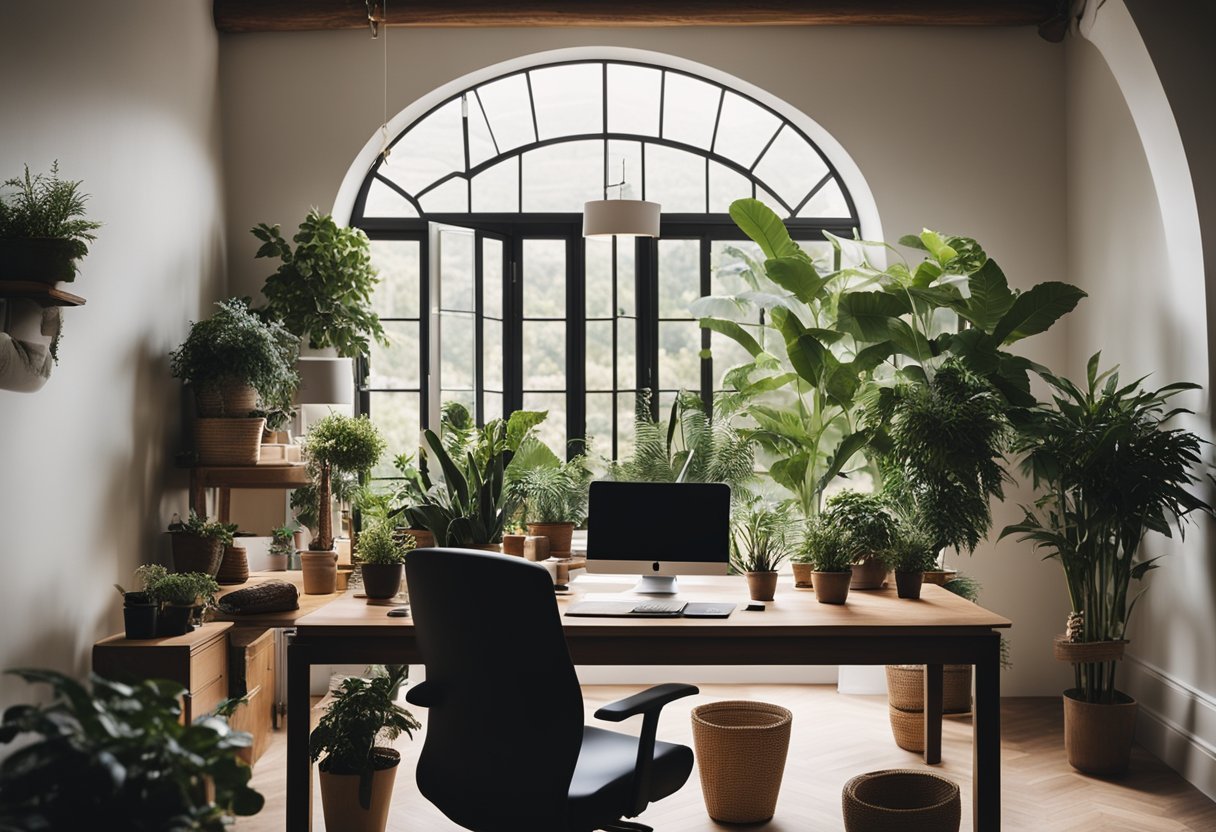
{"x":505,"y":725}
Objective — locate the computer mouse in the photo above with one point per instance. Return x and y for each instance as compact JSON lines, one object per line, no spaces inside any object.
{"x":399,"y":612}
{"x":754,"y":608}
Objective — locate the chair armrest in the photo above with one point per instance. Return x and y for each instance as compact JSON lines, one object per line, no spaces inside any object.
{"x":651,"y":700}
{"x":424,"y":695}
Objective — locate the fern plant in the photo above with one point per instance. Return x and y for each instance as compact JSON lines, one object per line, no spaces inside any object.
{"x":555,"y":493}
{"x":43,"y":206}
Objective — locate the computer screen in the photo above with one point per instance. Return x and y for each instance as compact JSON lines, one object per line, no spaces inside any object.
{"x":669,"y":523}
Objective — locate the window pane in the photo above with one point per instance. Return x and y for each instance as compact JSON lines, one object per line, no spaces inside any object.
{"x":725,"y":186}
{"x":626,"y":276}
{"x":561,"y":177}
{"x":675,"y":179}
{"x":399,"y":263}
{"x":428,"y":150}
{"x":383,"y":201}
{"x":597,"y":282}
{"x":491,"y":277}
{"x":452,"y":197}
{"x":732,"y":263}
{"x":626,"y":353}
{"x":666,"y":399}
{"x":630,"y":154}
{"x":791,"y":166}
{"x":493,"y":406}
{"x":744,"y":129}
{"x":456,"y":269}
{"x":481,"y":143}
{"x":398,"y":418}
{"x":569,"y":99}
{"x":633,"y":99}
{"x":599,"y":422}
{"x":544,"y":276}
{"x":679,"y":355}
{"x":491,"y":355}
{"x":625,"y":417}
{"x":829,"y":202}
{"x":508,"y":110}
{"x":552,"y":431}
{"x":599,"y":355}
{"x":679,"y":276}
{"x":544,"y":357}
{"x":456,"y":351}
{"x":465,"y":397}
{"x":690,"y":107}
{"x":395,"y":366}
{"x":496,"y":189}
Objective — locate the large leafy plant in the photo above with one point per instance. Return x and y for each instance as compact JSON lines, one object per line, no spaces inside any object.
{"x":322,"y":289}
{"x":552,"y":491}
{"x":118,"y":757}
{"x":864,"y":523}
{"x":1109,"y":471}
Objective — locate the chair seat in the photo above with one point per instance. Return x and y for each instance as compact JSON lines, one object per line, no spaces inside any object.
{"x":602,"y":787}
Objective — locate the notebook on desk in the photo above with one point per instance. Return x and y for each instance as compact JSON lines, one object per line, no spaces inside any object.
{"x":649,"y":609}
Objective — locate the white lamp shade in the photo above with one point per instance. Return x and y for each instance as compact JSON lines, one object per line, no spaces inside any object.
{"x":325,"y":381}
{"x":621,"y":217}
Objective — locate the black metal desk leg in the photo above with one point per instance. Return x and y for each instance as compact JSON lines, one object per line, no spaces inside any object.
{"x":299,"y":766}
{"x":986,"y":775}
{"x":933,"y":714}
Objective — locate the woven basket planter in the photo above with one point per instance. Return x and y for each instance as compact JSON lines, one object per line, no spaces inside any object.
{"x":196,"y":554}
{"x":741,"y":748}
{"x":908,"y":728}
{"x":906,"y":687}
{"x":1087,"y":652}
{"x":228,"y":441}
{"x":234,"y":566}
{"x":225,"y":400}
{"x":901,"y":801}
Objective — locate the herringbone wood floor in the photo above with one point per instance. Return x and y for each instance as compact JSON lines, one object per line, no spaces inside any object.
{"x":836,"y":737}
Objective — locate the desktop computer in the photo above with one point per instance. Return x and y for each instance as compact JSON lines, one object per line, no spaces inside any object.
{"x":658,"y":530}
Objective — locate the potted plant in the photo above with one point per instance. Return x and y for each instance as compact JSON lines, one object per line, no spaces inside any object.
{"x":554,"y":497}
{"x":43,"y":230}
{"x":382,"y":554}
{"x":235,"y":363}
{"x":759,"y":544}
{"x":868,"y":529}
{"x":198,"y":544}
{"x":912,"y":552}
{"x":824,"y":547}
{"x":1109,"y":471}
{"x":140,"y":609}
{"x":117,"y":756}
{"x":357,"y":773}
{"x":803,"y":570}
{"x":180,"y":595}
{"x":335,"y":446}
{"x":282,"y":547}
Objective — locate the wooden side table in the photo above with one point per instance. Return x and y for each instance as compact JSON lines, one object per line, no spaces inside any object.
{"x":225,"y":478}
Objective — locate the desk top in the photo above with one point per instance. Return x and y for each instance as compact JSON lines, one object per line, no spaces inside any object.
{"x":287,"y":618}
{"x":794,"y":612}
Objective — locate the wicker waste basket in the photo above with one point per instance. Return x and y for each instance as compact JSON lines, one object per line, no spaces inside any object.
{"x":741,"y":748}
{"x":901,"y":800}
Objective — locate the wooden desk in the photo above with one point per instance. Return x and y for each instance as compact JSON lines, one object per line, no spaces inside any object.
{"x":225,"y":478}
{"x":873,"y":628}
{"x":267,"y":620}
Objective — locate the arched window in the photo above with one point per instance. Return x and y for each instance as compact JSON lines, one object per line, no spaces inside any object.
{"x":491,"y":295}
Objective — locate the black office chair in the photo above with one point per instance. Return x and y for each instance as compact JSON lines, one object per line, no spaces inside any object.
{"x":506,"y":749}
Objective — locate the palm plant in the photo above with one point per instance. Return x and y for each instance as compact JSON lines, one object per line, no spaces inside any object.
{"x":1109,"y":471}
{"x":762,"y":538}
{"x":555,"y":493}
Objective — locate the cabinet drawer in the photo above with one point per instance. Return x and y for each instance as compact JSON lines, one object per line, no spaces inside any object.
{"x":204,"y":700}
{"x":208,"y":665}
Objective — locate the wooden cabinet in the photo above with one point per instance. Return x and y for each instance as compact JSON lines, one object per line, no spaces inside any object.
{"x":251,"y":658}
{"x":198,"y":661}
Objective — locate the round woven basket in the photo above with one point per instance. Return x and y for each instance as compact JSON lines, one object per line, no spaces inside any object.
{"x":908,"y":728}
{"x":227,"y":399}
{"x":901,"y":800}
{"x":1085,"y":652}
{"x":234,"y":567}
{"x":196,"y":554}
{"x":228,"y":441}
{"x":906,"y":687}
{"x":741,"y":748}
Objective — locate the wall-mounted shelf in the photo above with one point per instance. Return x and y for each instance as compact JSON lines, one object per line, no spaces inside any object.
{"x":43,"y":294}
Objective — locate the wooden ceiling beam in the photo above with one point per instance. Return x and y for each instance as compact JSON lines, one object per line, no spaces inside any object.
{"x":304,"y":15}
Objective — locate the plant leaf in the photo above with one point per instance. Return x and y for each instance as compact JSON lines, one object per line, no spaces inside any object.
{"x":1035,"y":310}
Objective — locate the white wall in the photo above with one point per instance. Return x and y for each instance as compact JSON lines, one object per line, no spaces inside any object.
{"x":124,"y":94}
{"x":955,"y":129}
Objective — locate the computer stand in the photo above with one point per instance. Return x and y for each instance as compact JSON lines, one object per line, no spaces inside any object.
{"x":656,"y":585}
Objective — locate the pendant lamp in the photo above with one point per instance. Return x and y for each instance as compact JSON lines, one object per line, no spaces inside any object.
{"x":620,"y":217}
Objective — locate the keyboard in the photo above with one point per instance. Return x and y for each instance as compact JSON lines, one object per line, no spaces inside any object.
{"x":649,"y":609}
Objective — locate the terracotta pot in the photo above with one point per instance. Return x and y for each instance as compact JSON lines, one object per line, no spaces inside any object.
{"x":300,"y":538}
{"x":340,"y":796}
{"x":832,"y":587}
{"x":908,"y":584}
{"x":803,"y":575}
{"x":940,"y":577}
{"x":382,"y":580}
{"x":513,"y":544}
{"x":320,"y":572}
{"x":871,"y":573}
{"x":422,"y":538}
{"x":277,"y":562}
{"x":762,"y":585}
{"x":1098,"y":738}
{"x":196,"y":554}
{"x":225,"y":400}
{"x":559,"y":534}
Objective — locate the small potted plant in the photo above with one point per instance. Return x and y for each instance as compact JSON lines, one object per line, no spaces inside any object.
{"x":357,"y":772}
{"x":869,"y":528}
{"x":140,"y":608}
{"x":803,"y":569}
{"x":180,"y":594}
{"x":118,"y":756}
{"x":282,"y":547}
{"x":555,"y":501}
{"x":824,"y":547}
{"x":198,"y":544}
{"x":382,"y":555}
{"x":43,"y":230}
{"x":912,"y":552}
{"x":236,"y":363}
{"x":337,"y":445}
{"x":759,"y":544}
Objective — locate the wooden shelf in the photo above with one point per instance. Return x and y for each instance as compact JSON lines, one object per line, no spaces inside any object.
{"x":41,"y":293}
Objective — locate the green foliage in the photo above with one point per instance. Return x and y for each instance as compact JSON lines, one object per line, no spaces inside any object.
{"x":942,"y":452}
{"x":303,"y":502}
{"x":323,"y":289}
{"x":284,"y":534}
{"x":553,"y":493}
{"x":348,"y":444}
{"x":116,"y":757}
{"x":379,"y":545}
{"x":762,"y":537}
{"x":964,"y":586}
{"x":1109,"y":471}
{"x":824,"y":546}
{"x":362,"y":714}
{"x":182,"y":588}
{"x":47,"y":206}
{"x":235,"y":345}
{"x":865,"y":524}
{"x":913,"y":549}
{"x":195,"y":526}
